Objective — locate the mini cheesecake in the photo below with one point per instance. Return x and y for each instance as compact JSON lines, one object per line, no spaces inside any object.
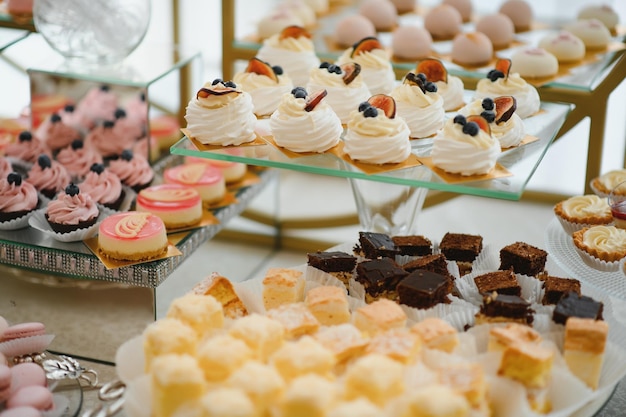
{"x":132,"y":236}
{"x":177,"y":205}
{"x":207,"y":180}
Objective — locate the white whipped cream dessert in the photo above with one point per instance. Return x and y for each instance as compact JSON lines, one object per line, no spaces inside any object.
{"x":299,"y":130}
{"x":376,"y":69}
{"x":225,"y":119}
{"x":264,"y":91}
{"x":460,"y":153}
{"x":527,"y":97}
{"x":451,"y":92}
{"x":509,"y":133}
{"x":422,"y":111}
{"x":377,"y":140}
{"x":296,"y":56}
{"x":342,"y":98}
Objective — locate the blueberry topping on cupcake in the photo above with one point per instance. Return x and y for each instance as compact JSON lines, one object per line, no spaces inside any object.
{"x":77,"y":144}
{"x":15,"y":179}
{"x":421,"y":76}
{"x":299,"y":92}
{"x":230,"y":84}
{"x":325,"y":64}
{"x":97,"y":168}
{"x":25,"y":136}
{"x":459,"y":119}
{"x":55,"y":118}
{"x":126,"y":155}
{"x":494,"y":74}
{"x":488,"y":103}
{"x":332,"y":68}
{"x":371,"y":111}
{"x":278,"y":70}
{"x":44,"y":161}
{"x":471,"y":128}
{"x":69,"y":108}
{"x":489,"y":116}
{"x":72,"y":189}
{"x":142,"y":96}
{"x":120,"y":114}
{"x":105,"y":88}
{"x":364,"y":106}
{"x":108,"y":124}
{"x":430,"y":87}
{"x":217,"y":81}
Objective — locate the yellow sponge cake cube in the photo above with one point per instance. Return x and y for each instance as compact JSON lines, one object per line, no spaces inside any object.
{"x":203,"y":313}
{"x":262,"y":334}
{"x":437,"y":334}
{"x":219,"y":356}
{"x":282,"y":286}
{"x":379,"y":316}
{"x":261,"y":383}
{"x":584,"y":347}
{"x":296,"y":318}
{"x":175,"y":380}
{"x":302,"y":357}
{"x":328,"y":304}
{"x":501,"y":337}
{"x":527,"y":363}
{"x":309,"y":396}
{"x":375,"y":377}
{"x":227,"y":402}
{"x":165,"y":336}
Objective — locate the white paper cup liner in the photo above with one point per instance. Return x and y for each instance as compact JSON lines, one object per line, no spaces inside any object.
{"x":130,"y":360}
{"x":487,"y":260}
{"x":19,"y":223}
{"x":26,"y":345}
{"x":251,"y":294}
{"x":127,"y":202}
{"x":19,"y":165}
{"x":596,"y":191}
{"x":531,"y":288}
{"x":571,"y":227}
{"x":316,"y":278}
{"x":622,"y":266}
{"x":596,"y":263}
{"x":415,"y":315}
{"x":39,"y":222}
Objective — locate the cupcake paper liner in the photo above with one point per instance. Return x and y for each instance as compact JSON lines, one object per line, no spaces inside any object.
{"x":19,"y":223}
{"x":26,"y":345}
{"x":571,"y":227}
{"x":596,"y":263}
{"x":39,"y":222}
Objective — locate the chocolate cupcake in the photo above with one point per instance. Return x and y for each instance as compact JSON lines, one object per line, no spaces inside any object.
{"x":71,"y":210}
{"x":17,"y":197}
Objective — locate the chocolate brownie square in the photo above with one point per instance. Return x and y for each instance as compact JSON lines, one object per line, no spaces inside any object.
{"x":575,"y":305}
{"x":414,"y":245}
{"x":504,"y":308}
{"x":555,"y":288}
{"x":423,"y":289}
{"x":523,"y":258}
{"x":502,"y":282}
{"x":379,"y":277}
{"x":434,"y":263}
{"x":376,"y":245}
{"x":339,"y":264}
{"x":461,"y":247}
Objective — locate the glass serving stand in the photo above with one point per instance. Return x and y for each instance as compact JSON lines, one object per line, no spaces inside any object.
{"x":587,"y":87}
{"x":390,"y":201}
{"x":10,"y":36}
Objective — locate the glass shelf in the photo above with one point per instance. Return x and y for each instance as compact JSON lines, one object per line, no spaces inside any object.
{"x":583,"y":78}
{"x":33,"y":250}
{"x":10,"y":36}
{"x":521,"y":162}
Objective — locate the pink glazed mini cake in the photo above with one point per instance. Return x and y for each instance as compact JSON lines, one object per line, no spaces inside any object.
{"x":177,"y":205}
{"x":132,"y":236}
{"x":207,"y":180}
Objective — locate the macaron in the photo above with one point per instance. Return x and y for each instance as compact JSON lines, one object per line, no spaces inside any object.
{"x":27,"y":374}
{"x":5,"y":383}
{"x":34,"y":396}
{"x":18,"y":331}
{"x":21,"y":412}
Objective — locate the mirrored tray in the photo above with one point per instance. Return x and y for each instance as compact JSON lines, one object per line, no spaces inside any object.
{"x":31,"y":249}
{"x":584,"y":77}
{"x":561,"y":247}
{"x":68,"y":397}
{"x":521,"y":162}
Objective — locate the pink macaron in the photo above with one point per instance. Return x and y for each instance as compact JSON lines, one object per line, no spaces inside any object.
{"x":5,"y":383}
{"x":26,"y":375}
{"x":33,"y":396}
{"x":21,"y":412}
{"x":21,"y":330}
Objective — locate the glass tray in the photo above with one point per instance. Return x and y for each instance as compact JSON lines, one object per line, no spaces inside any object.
{"x":31,"y":249}
{"x":521,"y":162}
{"x":10,"y":36}
{"x":584,"y":77}
{"x":561,"y":248}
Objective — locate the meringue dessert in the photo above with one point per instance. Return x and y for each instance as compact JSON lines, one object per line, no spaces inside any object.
{"x":505,"y":124}
{"x":375,"y":135}
{"x":221,"y":114}
{"x":472,"y":49}
{"x":443,"y":22}
{"x":293,"y":50}
{"x":300,"y":112}
{"x":499,"y":82}
{"x":465,"y":146}
{"x":498,"y":27}
{"x":419,"y":104}
{"x":344,"y":84}
{"x":411,"y":42}
{"x":591,"y":31}
{"x":520,"y":12}
{"x":604,"y":13}
{"x":376,"y":68}
{"x":352,"y":28}
{"x":566,"y":47}
{"x":382,"y":14}
{"x":266,"y":84}
{"x":534,"y":63}
{"x":449,"y":87}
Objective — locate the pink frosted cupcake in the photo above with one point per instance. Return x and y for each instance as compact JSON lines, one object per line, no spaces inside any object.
{"x":137,"y":108}
{"x":107,"y":140}
{"x":17,"y":198}
{"x":103,"y":186}
{"x":99,"y":104}
{"x":75,"y":119}
{"x":27,"y":148}
{"x":133,"y":170}
{"x":55,"y":133}
{"x":5,"y":167}
{"x":130,"y":128}
{"x":48,"y":176}
{"x":78,"y":158}
{"x":71,"y":211}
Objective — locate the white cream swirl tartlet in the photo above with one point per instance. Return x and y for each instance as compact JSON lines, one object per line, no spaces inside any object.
{"x":376,"y":69}
{"x":509,"y":133}
{"x":226,"y":119}
{"x":527,"y":97}
{"x":422,"y":111}
{"x":296,"y":56}
{"x":342,"y":98}
{"x":264,"y":91}
{"x":377,"y":140}
{"x":460,"y":153}
{"x":451,"y":92}
{"x":299,"y":130}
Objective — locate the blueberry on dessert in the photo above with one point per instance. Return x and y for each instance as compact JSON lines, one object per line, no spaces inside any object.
{"x":44,"y":161}
{"x":120,"y":114}
{"x":127,"y":155}
{"x":385,"y":103}
{"x":14,"y":178}
{"x":55,"y":118}
{"x":25,"y":136}
{"x":299,"y":92}
{"x":108,"y":124}
{"x":97,"y":168}
{"x":503,"y":66}
{"x":77,"y":144}
{"x":72,"y":189}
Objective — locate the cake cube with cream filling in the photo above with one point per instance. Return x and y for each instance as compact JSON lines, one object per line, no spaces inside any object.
{"x":501,"y":337}
{"x":584,"y":348}
{"x":309,"y":396}
{"x":282,"y":286}
{"x":168,"y":336}
{"x":328,"y":304}
{"x":296,"y":318}
{"x":223,"y":291}
{"x":262,"y":334}
{"x":401,"y":345}
{"x":304,"y":356}
{"x":379,"y":316}
{"x":260,"y":382}
{"x":175,"y":380}
{"x":467,"y":379}
{"x":375,"y":377}
{"x":221,"y":355}
{"x":344,"y":340}
{"x":202,"y":313}
{"x":437,"y":334}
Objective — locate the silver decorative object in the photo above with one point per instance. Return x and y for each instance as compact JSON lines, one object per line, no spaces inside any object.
{"x":69,"y":368}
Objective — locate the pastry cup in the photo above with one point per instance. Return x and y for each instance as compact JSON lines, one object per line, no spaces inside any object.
{"x":39,"y":222}
{"x":597,"y":263}
{"x":20,"y":222}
